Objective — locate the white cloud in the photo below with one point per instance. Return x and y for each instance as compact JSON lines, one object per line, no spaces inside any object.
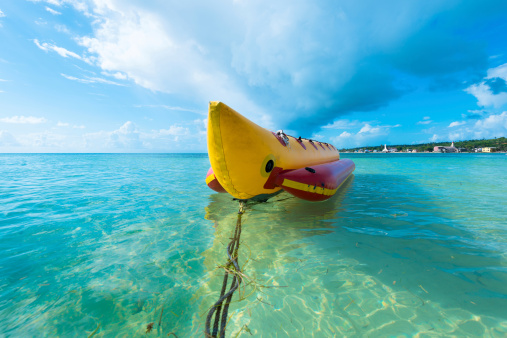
{"x":52,"y":11}
{"x":456,"y":124}
{"x":178,"y":137}
{"x":86,"y":70}
{"x":485,"y":96}
{"x":367,"y":129}
{"x":367,"y":134}
{"x":426,"y":118}
{"x":202,"y":126}
{"x":203,"y":123}
{"x":492,"y":126}
{"x":174,"y":130}
{"x":262,"y":44}
{"x":280,"y":50}
{"x":2,"y":14}
{"x":60,"y":50}
{"x":483,"y":92}
{"x":434,"y":138}
{"x":53,"y":2}
{"x":426,"y":121}
{"x":7,"y":139}
{"x":297,"y":56}
{"x":153,"y":50}
{"x":23,"y":119}
{"x":344,"y":140}
{"x":457,"y":136}
{"x":80,"y":5}
{"x":62,"y":29}
{"x":342,"y":124}
{"x":474,"y":114}
{"x":126,"y":138}
{"x":117,"y":75}
{"x":47,"y":140}
{"x":430,"y":130}
{"x":88,"y":80}
{"x":500,"y":71}
{"x":41,"y":22}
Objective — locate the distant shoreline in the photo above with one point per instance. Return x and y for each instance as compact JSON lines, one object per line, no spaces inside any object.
{"x":410,"y":153}
{"x":498,"y":145}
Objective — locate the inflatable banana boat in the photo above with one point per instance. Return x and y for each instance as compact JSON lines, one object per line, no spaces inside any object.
{"x":250,"y":162}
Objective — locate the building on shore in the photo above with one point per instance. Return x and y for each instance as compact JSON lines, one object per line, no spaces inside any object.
{"x":440,"y":149}
{"x":488,"y":149}
{"x":389,"y":150}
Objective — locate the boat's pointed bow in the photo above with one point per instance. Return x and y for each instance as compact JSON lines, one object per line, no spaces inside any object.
{"x":237,"y":149}
{"x":215,"y":146}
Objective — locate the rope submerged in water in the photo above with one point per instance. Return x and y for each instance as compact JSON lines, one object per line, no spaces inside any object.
{"x":225,"y":298}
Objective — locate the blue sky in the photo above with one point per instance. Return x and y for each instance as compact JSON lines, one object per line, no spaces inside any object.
{"x":137,"y":76}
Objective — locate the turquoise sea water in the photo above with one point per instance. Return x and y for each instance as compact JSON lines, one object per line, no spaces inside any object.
{"x":412,"y":244}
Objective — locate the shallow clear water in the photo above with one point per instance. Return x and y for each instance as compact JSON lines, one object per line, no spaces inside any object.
{"x":412,"y":244}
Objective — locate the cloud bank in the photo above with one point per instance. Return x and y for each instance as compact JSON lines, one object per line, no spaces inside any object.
{"x":370,"y":133}
{"x":127,"y":137}
{"x":293,"y":65}
{"x":494,"y":125}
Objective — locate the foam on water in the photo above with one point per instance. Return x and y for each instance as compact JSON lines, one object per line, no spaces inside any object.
{"x":411,"y":245}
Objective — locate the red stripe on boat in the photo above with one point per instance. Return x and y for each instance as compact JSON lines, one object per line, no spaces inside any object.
{"x":316,"y":183}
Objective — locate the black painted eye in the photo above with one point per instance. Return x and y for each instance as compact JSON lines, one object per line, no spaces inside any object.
{"x":269,"y":166}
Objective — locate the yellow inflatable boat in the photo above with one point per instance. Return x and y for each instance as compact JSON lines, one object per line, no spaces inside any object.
{"x":248,"y":161}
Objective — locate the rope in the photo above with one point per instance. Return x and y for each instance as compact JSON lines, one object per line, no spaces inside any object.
{"x":225,"y":298}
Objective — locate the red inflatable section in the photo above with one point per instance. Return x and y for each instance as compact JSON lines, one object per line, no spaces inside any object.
{"x":315,"y":183}
{"x":212,"y":181}
{"x":318,"y":182}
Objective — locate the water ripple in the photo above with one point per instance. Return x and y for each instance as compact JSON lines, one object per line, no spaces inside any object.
{"x":411,"y":245}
